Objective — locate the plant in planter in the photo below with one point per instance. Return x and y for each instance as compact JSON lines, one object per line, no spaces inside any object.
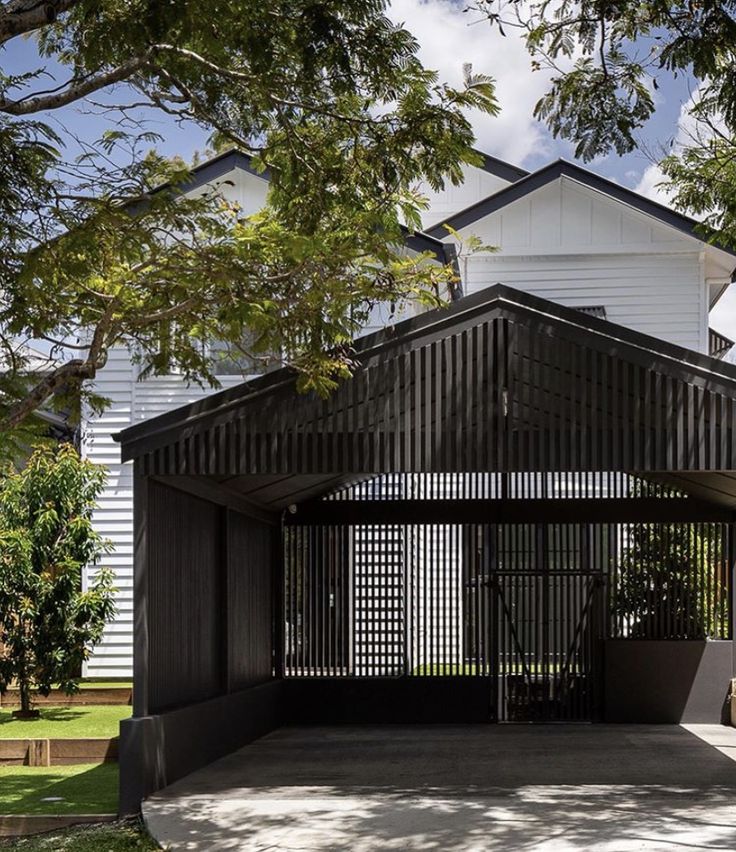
{"x":48,"y":622}
{"x":669,"y":582}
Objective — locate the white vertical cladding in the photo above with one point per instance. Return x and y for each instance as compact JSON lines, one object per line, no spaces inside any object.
{"x":575,"y":246}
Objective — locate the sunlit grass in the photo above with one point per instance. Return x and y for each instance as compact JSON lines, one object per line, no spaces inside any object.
{"x":80,"y":789}
{"x":65,"y":722}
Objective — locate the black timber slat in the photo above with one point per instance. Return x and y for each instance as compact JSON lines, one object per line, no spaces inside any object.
{"x":507,"y":383}
{"x":514,"y":511}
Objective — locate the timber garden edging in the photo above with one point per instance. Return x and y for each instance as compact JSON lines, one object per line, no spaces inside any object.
{"x":58,"y":751}
{"x":57,"y":698}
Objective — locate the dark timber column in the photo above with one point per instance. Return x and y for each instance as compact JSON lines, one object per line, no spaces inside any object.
{"x":140,"y":592}
{"x":139,"y":758}
{"x":732,"y":601}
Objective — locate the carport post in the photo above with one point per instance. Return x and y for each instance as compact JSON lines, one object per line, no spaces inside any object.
{"x":140,"y":591}
{"x":732,"y":578}
{"x":278,"y":592}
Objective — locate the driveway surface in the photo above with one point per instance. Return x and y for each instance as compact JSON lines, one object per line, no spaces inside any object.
{"x":460,"y":787}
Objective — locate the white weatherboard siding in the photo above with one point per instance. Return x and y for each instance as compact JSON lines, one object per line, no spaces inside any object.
{"x":131,"y":402}
{"x":656,"y":294}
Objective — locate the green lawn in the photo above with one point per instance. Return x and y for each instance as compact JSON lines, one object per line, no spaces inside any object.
{"x":97,"y":683}
{"x":80,"y":789}
{"x":66,"y":722}
{"x":128,"y":836}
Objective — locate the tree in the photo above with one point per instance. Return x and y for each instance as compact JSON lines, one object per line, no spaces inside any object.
{"x":608,"y":58}
{"x":48,"y":624}
{"x":668,"y":582}
{"x":329,"y":97}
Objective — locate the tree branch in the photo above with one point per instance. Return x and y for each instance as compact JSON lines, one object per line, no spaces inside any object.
{"x":76,"y":369}
{"x":78,"y":88}
{"x":24,"y":16}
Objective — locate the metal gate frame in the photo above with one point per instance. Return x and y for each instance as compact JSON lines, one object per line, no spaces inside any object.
{"x":548,"y":663}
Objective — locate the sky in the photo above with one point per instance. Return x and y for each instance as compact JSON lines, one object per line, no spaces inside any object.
{"x":449,"y":38}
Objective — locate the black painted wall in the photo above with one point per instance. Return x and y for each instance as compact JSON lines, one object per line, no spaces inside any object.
{"x":210,"y":599}
{"x":249,"y":601}
{"x":667,"y":681}
{"x":186,"y":598}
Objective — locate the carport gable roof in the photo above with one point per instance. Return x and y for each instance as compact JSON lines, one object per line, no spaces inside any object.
{"x":500,"y":380}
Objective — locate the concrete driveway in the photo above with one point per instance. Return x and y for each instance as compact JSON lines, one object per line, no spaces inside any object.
{"x":446,"y":787}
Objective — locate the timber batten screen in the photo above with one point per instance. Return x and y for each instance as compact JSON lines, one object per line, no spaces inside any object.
{"x":491,"y":502}
{"x":504,"y":388}
{"x":525,"y":606}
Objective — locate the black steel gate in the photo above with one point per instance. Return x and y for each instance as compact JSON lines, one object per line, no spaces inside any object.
{"x":535,"y":601}
{"x":524,"y":606}
{"x":548,"y":646}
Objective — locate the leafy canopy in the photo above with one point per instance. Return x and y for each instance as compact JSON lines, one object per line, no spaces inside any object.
{"x":607,"y":59}
{"x":329,"y":97}
{"x":668,"y":582}
{"x":47,"y":623}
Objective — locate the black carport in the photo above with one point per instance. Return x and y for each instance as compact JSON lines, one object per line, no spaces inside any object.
{"x":514,"y":511}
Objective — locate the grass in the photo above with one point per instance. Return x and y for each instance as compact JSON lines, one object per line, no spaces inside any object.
{"x":97,"y":683}
{"x":123,"y":836}
{"x":65,"y":722}
{"x":79,"y":789}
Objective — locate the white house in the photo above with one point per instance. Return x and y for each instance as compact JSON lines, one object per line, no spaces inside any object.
{"x":562,"y":232}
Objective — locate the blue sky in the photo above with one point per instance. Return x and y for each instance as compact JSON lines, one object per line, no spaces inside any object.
{"x":448,"y":38}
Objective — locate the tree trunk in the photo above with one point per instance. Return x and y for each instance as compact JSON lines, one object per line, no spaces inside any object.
{"x":26,"y":700}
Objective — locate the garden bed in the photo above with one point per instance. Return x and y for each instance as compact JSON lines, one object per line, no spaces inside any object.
{"x":58,"y":752}
{"x":120,"y":836}
{"x":90,"y":694}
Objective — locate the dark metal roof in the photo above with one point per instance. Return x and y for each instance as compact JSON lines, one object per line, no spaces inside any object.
{"x":429,"y":395}
{"x":217,"y":167}
{"x":442,"y":321}
{"x":562,"y":168}
{"x":500,"y":168}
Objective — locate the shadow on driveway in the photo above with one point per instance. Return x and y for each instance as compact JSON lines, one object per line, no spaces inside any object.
{"x":603,"y":787}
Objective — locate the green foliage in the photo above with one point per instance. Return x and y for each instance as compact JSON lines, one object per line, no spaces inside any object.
{"x":607,"y":60}
{"x":668,"y":583}
{"x":48,"y":623}
{"x":329,"y":97}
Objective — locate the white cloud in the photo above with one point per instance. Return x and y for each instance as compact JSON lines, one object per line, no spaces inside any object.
{"x":449,"y":38}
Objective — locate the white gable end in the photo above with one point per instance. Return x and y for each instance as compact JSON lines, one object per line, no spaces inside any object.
{"x":478,"y":184}
{"x":576,"y":246}
{"x":565,"y":216}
